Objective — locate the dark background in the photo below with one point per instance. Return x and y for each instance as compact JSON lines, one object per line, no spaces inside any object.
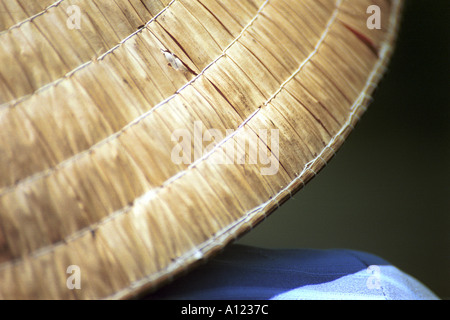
{"x":387,"y":190}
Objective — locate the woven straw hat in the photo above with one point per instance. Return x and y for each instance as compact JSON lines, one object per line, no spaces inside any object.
{"x":139,"y":137}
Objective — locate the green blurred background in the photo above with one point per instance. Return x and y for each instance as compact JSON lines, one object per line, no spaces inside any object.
{"x":387,"y":191}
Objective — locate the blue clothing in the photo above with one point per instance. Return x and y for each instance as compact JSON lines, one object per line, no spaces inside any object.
{"x":250,"y":273}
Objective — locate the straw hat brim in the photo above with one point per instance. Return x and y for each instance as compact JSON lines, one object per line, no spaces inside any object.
{"x":138,"y":138}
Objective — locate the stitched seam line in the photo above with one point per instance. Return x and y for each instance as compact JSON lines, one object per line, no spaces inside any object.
{"x":220,"y":238}
{"x":54,"y":83}
{"x":152,"y":193}
{"x":29,"y":19}
{"x":136,"y":121}
{"x":197,"y":253}
{"x":95,"y":226}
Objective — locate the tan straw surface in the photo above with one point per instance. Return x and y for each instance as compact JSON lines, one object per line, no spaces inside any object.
{"x":91,"y":170}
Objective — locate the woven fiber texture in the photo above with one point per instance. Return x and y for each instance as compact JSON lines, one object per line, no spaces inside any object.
{"x":139,"y":137}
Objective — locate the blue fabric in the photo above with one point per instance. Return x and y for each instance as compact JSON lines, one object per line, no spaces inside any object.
{"x":243,"y":272}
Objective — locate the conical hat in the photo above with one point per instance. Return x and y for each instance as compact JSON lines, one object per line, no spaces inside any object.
{"x":139,"y":137}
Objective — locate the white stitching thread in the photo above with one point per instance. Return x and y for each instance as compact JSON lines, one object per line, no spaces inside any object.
{"x":197,"y":253}
{"x":136,"y":121}
{"x":81,"y":232}
{"x":29,"y":19}
{"x":54,"y":83}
